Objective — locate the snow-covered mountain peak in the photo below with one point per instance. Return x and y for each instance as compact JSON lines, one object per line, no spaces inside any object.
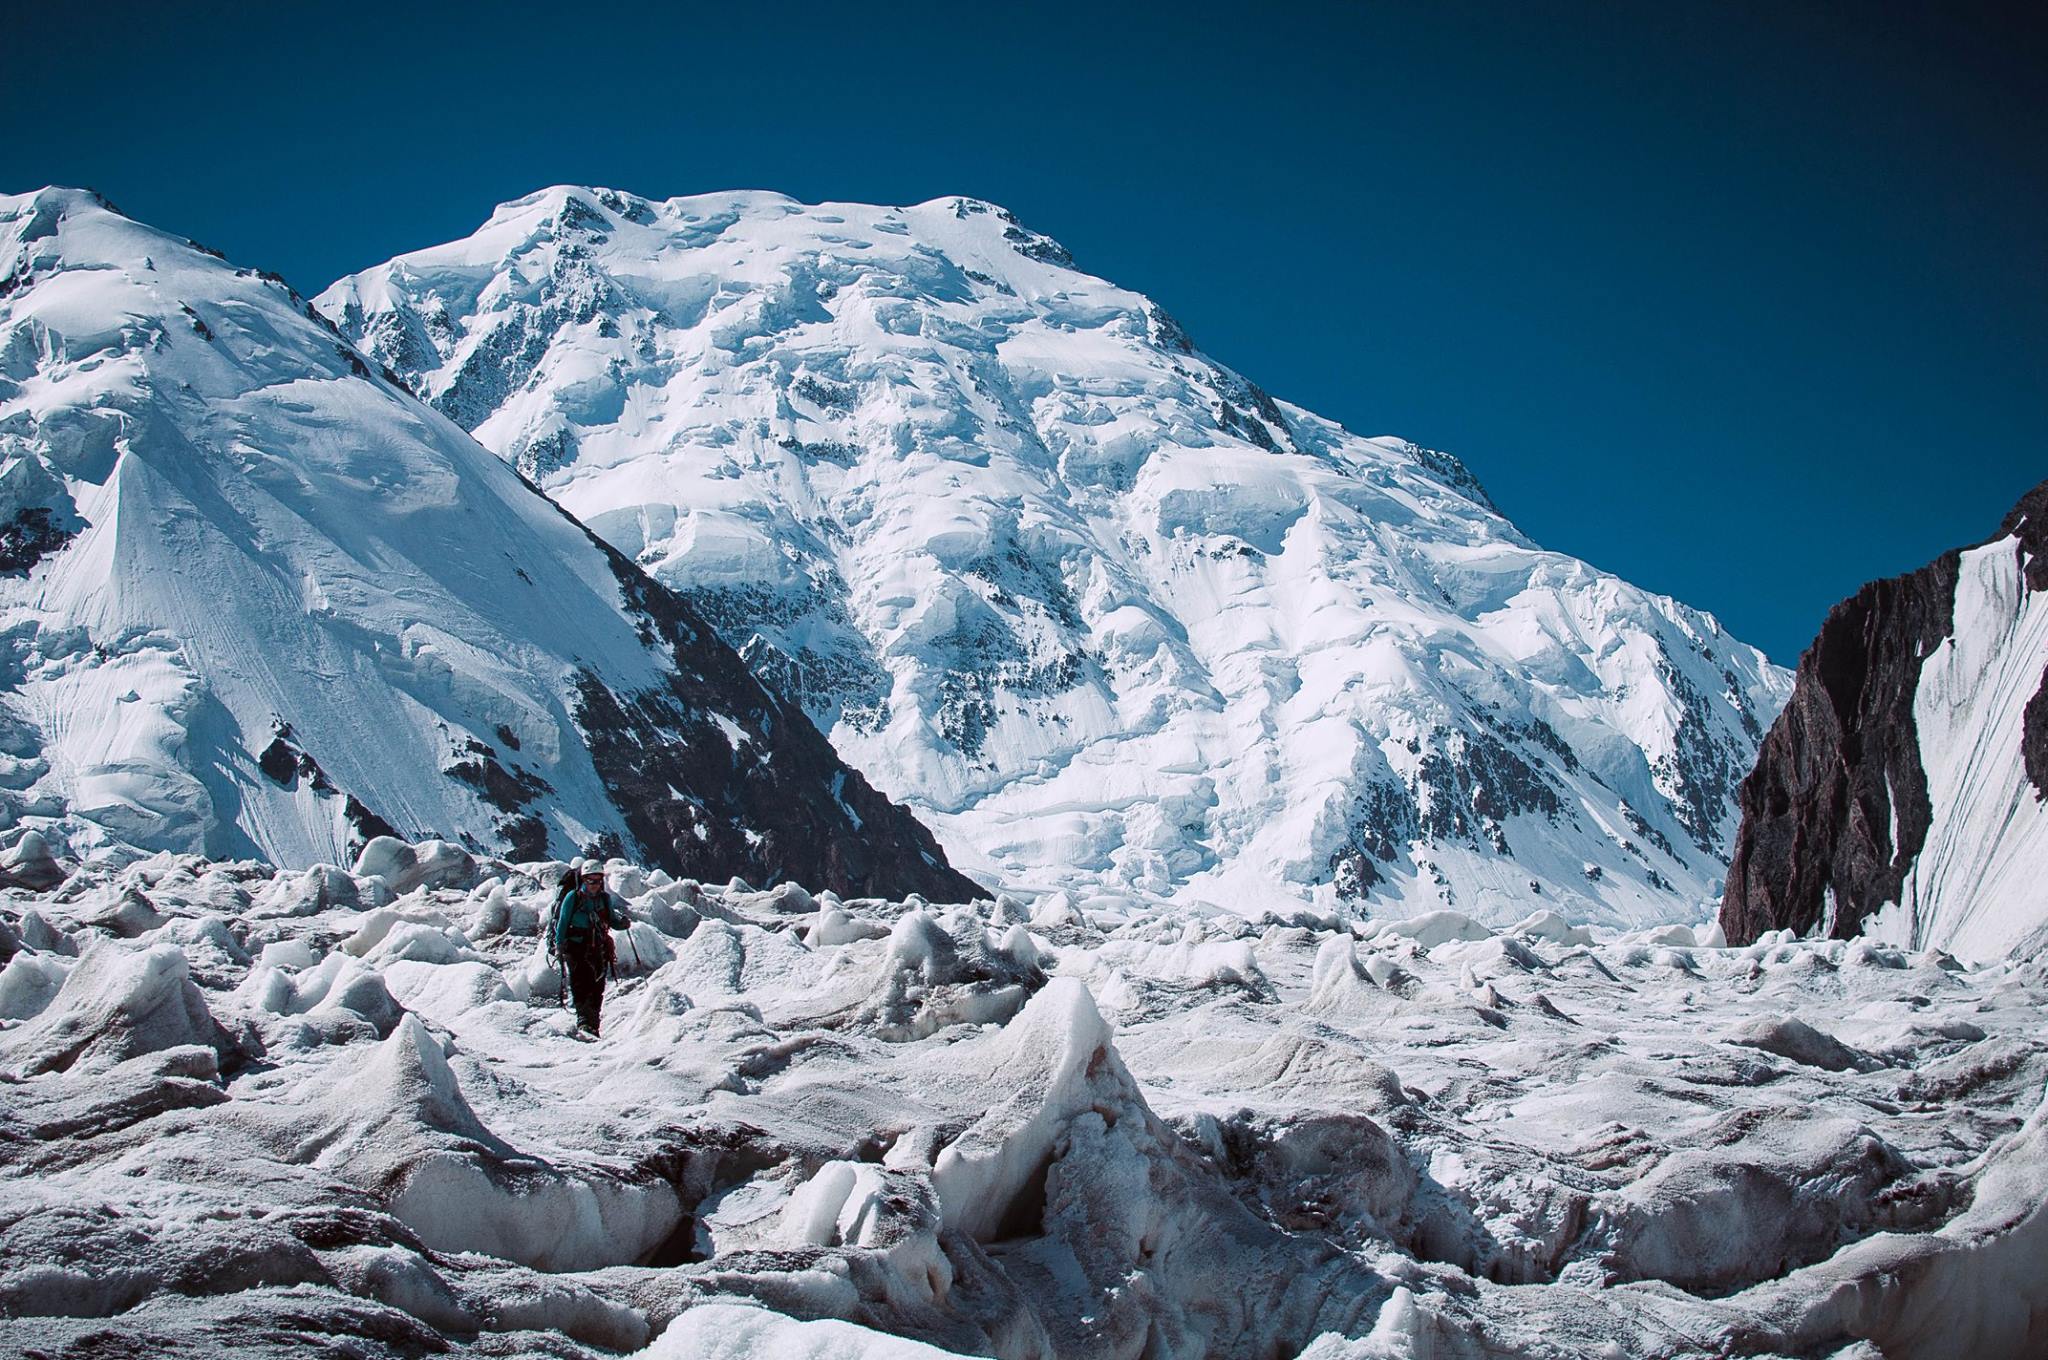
{"x":255,"y":599}
{"x":1108,"y":613}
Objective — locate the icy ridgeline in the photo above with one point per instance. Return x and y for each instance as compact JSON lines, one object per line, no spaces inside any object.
{"x":263,"y":1111}
{"x":1105,"y":613}
{"x":255,"y":600}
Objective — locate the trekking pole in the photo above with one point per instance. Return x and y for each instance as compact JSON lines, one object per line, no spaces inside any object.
{"x":561,"y":965}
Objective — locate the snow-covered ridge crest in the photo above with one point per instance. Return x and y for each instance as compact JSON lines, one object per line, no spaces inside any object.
{"x":246,"y":1103}
{"x":257,"y":600}
{"x":1112,"y":617}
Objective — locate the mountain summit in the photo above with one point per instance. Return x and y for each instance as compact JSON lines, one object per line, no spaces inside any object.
{"x":259,"y":602}
{"x":1111,"y":617}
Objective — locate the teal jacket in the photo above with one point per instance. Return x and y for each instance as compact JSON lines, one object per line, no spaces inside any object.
{"x":577,"y":918}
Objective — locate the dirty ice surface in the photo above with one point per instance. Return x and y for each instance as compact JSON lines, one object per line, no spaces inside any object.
{"x":278,"y":1113}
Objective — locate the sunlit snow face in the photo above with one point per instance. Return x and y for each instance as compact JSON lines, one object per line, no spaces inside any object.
{"x":1106,"y":614}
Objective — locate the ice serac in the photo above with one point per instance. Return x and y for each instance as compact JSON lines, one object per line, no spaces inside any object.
{"x":115,"y":1006}
{"x":1057,"y":1048}
{"x":1110,"y":616}
{"x":257,"y":600}
{"x":1901,"y":793}
{"x":271,"y":1113}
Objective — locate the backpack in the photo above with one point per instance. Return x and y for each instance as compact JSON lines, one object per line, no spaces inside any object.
{"x":579,"y":925}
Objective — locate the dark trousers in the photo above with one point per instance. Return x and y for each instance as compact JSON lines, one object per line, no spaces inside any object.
{"x":586,"y":985}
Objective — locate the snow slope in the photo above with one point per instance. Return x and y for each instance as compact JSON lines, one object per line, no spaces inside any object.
{"x":276,"y":1114}
{"x":1903,"y":793}
{"x":256,"y":600}
{"x":1977,"y":887}
{"x":1110,"y":617}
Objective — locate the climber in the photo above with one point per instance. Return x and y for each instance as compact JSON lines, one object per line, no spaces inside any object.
{"x":580,"y":939}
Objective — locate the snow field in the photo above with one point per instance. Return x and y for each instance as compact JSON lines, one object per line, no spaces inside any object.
{"x":249,"y":1109}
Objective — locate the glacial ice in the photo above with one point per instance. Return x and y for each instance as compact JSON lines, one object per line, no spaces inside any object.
{"x":1975,"y":888}
{"x":872,"y":1129}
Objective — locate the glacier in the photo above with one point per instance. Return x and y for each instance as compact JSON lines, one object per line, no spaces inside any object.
{"x":276,"y":1113}
{"x":1114,"y":621}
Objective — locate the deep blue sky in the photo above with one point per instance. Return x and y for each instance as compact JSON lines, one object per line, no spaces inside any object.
{"x":1748,"y":304}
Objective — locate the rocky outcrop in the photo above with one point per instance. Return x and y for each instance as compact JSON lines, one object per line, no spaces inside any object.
{"x":1837,"y":809}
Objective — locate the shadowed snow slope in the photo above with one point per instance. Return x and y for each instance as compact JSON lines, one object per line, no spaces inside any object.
{"x":259,"y":600}
{"x":289,"y":1114}
{"x":1105,"y":612}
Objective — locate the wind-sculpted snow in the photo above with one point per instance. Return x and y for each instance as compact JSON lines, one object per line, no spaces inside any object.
{"x":275,"y":1113}
{"x":255,"y":599}
{"x":1111,"y":617}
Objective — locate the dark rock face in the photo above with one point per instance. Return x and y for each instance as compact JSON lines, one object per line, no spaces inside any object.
{"x":2034,"y":737}
{"x":28,"y":538}
{"x":2029,"y":520}
{"x":1841,"y":767}
{"x":1841,"y":761}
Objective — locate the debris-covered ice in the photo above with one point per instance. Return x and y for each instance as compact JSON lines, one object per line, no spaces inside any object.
{"x":280,"y":1113}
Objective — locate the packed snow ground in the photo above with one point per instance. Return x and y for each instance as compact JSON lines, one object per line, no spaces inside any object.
{"x":280,"y":1111}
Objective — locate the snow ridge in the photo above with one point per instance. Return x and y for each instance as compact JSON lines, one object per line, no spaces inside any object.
{"x":256,"y":600}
